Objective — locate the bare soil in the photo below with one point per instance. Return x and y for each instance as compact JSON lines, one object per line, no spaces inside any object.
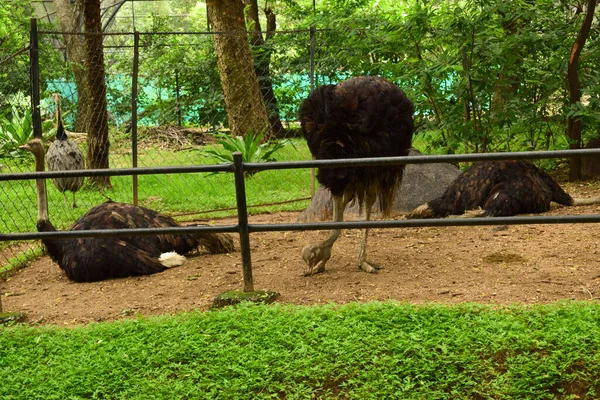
{"x":486,"y":264}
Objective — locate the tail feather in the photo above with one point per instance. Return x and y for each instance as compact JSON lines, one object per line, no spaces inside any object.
{"x":171,"y":259}
{"x":215,"y":243}
{"x":422,"y":212}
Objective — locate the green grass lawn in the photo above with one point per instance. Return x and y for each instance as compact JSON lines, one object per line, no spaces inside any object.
{"x":356,"y":351}
{"x":187,"y":196}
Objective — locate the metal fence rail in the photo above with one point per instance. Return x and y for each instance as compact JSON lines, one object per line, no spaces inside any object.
{"x":243,"y":228}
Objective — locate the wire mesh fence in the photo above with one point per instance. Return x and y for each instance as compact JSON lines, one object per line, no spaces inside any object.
{"x":179,"y":113}
{"x":166,"y":106}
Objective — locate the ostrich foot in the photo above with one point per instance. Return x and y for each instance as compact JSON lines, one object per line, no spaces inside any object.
{"x":319,"y":268}
{"x":369,"y":267}
{"x":315,"y":256}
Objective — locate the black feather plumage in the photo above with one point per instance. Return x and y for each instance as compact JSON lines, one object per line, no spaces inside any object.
{"x":362,"y":117}
{"x":499,"y":188}
{"x":95,"y":259}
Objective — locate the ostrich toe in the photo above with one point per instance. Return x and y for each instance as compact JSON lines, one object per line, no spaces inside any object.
{"x":369,"y":267}
{"x":315,"y":256}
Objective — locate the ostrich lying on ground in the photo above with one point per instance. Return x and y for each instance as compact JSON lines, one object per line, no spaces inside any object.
{"x":498,"y":189}
{"x":361,"y":117}
{"x":64,"y":155}
{"x":95,"y":259}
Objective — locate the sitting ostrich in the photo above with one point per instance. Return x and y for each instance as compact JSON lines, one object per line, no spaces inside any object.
{"x":498,"y":189}
{"x":362,"y":117}
{"x":95,"y":259}
{"x":64,"y":155}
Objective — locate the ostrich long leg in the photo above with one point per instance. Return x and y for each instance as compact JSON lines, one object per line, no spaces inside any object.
{"x":316,"y":255}
{"x":362,"y":255}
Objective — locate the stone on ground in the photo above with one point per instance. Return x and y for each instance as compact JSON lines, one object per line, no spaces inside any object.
{"x":420,"y":184}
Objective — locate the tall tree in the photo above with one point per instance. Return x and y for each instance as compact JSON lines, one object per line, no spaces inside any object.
{"x":573,"y":123}
{"x":262,"y":61}
{"x":69,"y":15}
{"x":97,"y":139}
{"x":246,"y":111}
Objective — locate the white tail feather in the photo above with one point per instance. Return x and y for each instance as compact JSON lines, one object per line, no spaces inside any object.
{"x":171,"y":259}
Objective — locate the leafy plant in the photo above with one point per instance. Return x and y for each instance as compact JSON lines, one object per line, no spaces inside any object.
{"x":298,"y":352}
{"x":250,"y":146}
{"x":18,"y":130}
{"x":15,"y":132}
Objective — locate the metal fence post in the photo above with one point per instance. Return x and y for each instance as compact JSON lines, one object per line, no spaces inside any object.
{"x":312,"y":87}
{"x":240,"y":195}
{"x":134,"y":92}
{"x":34,"y":72}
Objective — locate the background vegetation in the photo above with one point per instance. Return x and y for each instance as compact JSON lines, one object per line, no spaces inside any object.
{"x":484,"y":76}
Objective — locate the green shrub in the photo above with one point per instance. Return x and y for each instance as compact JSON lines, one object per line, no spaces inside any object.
{"x":18,"y":130}
{"x":252,"y":149}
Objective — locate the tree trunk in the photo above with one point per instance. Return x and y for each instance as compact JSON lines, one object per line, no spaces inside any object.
{"x":69,"y":19}
{"x":97,"y":140}
{"x":508,"y":82}
{"x":262,"y":61}
{"x":246,"y":111}
{"x":574,"y":124}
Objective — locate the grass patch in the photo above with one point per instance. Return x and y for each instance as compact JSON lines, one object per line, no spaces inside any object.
{"x":366,"y":351}
{"x":186,"y":196}
{"x":20,"y":259}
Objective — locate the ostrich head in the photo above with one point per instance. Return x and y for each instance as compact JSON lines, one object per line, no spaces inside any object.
{"x":36,"y":147}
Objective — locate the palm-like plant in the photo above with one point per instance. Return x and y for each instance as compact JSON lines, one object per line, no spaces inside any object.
{"x":17,"y":130}
{"x":250,"y":146}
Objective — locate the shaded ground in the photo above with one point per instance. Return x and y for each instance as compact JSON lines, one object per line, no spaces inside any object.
{"x":488,"y":264}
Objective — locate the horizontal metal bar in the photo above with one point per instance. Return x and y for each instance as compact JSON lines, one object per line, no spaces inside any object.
{"x":435,"y":222}
{"x":346,"y":162}
{"x":424,"y":159}
{"x":252,"y":228}
{"x":118,"y":172}
{"x":181,"y":230}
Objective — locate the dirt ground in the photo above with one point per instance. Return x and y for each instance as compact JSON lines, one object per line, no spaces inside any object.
{"x":487,"y":264}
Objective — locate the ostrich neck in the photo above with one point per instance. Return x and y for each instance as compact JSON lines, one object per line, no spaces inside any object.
{"x":40,"y":187}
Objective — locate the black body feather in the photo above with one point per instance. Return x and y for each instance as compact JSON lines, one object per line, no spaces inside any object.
{"x":95,"y":259}
{"x":499,"y":188}
{"x":359,"y":118}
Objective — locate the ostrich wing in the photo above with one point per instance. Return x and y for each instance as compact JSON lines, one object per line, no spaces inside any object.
{"x":64,"y":155}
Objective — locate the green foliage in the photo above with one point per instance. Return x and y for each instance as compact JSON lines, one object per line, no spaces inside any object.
{"x":14,"y":132}
{"x":359,"y":351}
{"x":167,"y":193}
{"x":251,"y":147}
{"x":485,"y":76}
{"x":17,"y":129}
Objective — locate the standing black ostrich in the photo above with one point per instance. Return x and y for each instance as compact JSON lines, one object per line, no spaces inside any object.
{"x":498,"y":189}
{"x":362,"y":117}
{"x":95,"y":259}
{"x":64,"y":155}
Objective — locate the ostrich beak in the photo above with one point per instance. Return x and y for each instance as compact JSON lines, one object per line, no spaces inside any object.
{"x":25,"y":147}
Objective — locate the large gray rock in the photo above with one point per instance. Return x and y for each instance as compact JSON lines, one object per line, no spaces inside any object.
{"x":421,"y":183}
